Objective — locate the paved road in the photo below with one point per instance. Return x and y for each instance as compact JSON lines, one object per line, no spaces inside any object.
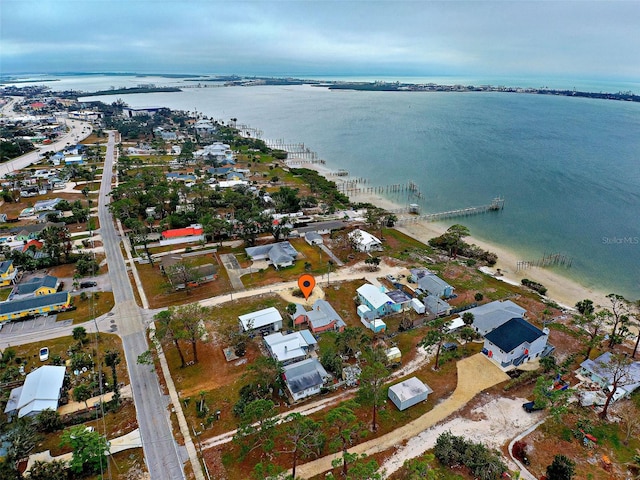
{"x":163,"y":455}
{"x":78,"y":131}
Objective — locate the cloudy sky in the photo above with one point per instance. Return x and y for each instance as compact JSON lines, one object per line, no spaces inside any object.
{"x":587,"y":39}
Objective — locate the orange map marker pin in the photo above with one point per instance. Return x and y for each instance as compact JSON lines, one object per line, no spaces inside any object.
{"x":306,"y":283}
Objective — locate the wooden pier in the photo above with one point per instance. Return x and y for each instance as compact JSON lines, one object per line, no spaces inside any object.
{"x":496,"y":204}
{"x":551,"y":260}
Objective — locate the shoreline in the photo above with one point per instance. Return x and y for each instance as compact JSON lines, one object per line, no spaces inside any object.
{"x":566,"y":292}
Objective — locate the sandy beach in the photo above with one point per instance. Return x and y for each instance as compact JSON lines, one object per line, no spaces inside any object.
{"x":562,"y":290}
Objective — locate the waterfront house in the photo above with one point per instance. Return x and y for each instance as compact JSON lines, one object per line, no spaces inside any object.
{"x":280,"y":255}
{"x":266,"y":320}
{"x":596,"y":371}
{"x":8,"y":273}
{"x":364,"y":241}
{"x":41,"y":390}
{"x":321,"y":318}
{"x":33,"y":306}
{"x":434,"y":285}
{"x":304,"y":378}
{"x":515,"y":342}
{"x":290,"y":348}
{"x":490,"y":316}
{"x":408,"y":393}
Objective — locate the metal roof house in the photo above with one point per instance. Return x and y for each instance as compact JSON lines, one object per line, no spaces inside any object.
{"x":377,"y":300}
{"x":41,"y":390}
{"x":268,"y":318}
{"x":290,"y":348}
{"x":39,"y":305}
{"x":364,"y":241}
{"x":490,"y":316}
{"x":281,"y":254}
{"x":435,"y":286}
{"x":515,"y":342}
{"x":35,"y":287}
{"x":596,"y":371}
{"x":304,"y":378}
{"x":409,"y":393}
{"x":321,"y":318}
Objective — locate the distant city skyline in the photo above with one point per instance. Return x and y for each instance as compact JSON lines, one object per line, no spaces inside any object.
{"x":581,"y":39}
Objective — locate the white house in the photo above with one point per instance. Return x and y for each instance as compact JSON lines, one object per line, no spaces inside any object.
{"x":41,"y":390}
{"x":304,"y":378}
{"x":490,"y":316}
{"x":364,"y":241}
{"x":515,"y":342}
{"x":409,"y":393}
{"x":290,"y":348}
{"x":266,"y":319}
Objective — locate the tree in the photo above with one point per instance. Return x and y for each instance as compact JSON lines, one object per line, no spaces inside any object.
{"x":21,"y":437}
{"x":86,"y":265}
{"x":256,"y":428}
{"x":420,"y":469}
{"x":617,"y":319}
{"x":562,"y":468}
{"x":435,"y":338}
{"x":373,"y":263}
{"x":453,"y":238}
{"x":630,"y":418}
{"x":344,"y":428}
{"x":467,"y":318}
{"x":82,"y":393}
{"x":618,"y":372}
{"x":80,"y":335}
{"x":89,"y":450}
{"x":350,"y":340}
{"x":183,"y":274}
{"x":48,"y":421}
{"x":372,"y":379}
{"x":112,"y":360}
{"x":191,"y":320}
{"x":592,"y":327}
{"x":167,"y":328}
{"x":303,"y":438}
{"x":585,"y":307}
{"x":265,"y":372}
{"x":478,"y":297}
{"x":53,"y":470}
{"x":546,"y":396}
{"x":636,"y":316}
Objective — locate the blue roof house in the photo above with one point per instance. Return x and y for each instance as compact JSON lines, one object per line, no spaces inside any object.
{"x":515,"y":342}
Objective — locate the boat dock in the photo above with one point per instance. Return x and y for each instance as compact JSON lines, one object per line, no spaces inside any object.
{"x":496,"y":204}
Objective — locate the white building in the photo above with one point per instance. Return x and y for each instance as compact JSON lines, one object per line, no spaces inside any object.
{"x":364,"y":241}
{"x":266,"y":319}
{"x":515,"y":342}
{"x":290,"y":348}
{"x":409,"y":393}
{"x":40,"y":391}
{"x":305,"y":378}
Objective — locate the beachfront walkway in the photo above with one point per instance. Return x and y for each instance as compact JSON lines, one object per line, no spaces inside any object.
{"x":475,"y":374}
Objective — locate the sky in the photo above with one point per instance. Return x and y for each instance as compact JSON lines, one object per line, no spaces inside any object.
{"x":585,"y":39}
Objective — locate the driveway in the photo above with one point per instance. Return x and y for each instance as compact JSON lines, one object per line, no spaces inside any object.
{"x":475,"y":374}
{"x":233,"y":269}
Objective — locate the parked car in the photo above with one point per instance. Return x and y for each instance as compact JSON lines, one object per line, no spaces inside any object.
{"x":44,"y":354}
{"x":531,"y":407}
{"x":88,"y":284}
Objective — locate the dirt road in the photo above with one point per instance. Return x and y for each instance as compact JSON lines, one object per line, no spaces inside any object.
{"x":475,"y":374}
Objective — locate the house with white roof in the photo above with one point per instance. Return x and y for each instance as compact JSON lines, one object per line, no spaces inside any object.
{"x":41,"y":390}
{"x":290,"y":348}
{"x":515,"y":342}
{"x":364,"y":241}
{"x":304,"y":378}
{"x":490,"y":316}
{"x":268,"y":319}
{"x":408,"y":393}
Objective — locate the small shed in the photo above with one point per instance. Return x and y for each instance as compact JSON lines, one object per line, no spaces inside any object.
{"x":418,"y":306}
{"x":313,"y":238}
{"x":394,"y":354}
{"x":409,"y":393}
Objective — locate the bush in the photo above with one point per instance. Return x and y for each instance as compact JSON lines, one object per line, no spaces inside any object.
{"x":538,"y":287}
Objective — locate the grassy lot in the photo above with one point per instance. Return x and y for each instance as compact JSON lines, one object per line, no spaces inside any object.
{"x":4,"y":293}
{"x":86,"y":309}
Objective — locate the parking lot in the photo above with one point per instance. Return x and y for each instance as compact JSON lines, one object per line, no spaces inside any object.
{"x":36,"y":324}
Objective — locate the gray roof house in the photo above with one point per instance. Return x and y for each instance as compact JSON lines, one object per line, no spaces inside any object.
{"x":279,"y":255}
{"x":305,"y":378}
{"x":490,"y":316}
{"x":290,"y":348}
{"x":515,"y":342}
{"x":596,"y":370}
{"x":436,"y":306}
{"x":36,"y":286}
{"x":435,"y":286}
{"x":41,"y":390}
{"x":320,"y":318}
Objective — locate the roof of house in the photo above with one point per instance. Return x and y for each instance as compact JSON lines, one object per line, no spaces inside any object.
{"x":410,"y":388}
{"x":398,"y":296}
{"x":287,"y":347}
{"x":374,"y":295}
{"x":599,"y":367}
{"x":317,"y":226}
{"x":46,"y":204}
{"x":491,"y":315}
{"x":35,"y":283}
{"x":320,"y":315}
{"x":364,"y":238}
{"x":182,"y":232}
{"x":41,"y":390}
{"x":432,"y":283}
{"x":31,"y":303}
{"x":281,"y":252}
{"x":5,"y":265}
{"x":261,"y":318}
{"x":311,"y":236}
{"x":435,"y":304}
{"x":513,"y":333}
{"x":305,"y":374}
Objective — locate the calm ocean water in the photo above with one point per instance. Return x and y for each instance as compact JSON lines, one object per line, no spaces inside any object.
{"x":567,"y":167}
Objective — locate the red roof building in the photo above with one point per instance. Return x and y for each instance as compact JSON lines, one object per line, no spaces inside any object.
{"x":182,"y":232}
